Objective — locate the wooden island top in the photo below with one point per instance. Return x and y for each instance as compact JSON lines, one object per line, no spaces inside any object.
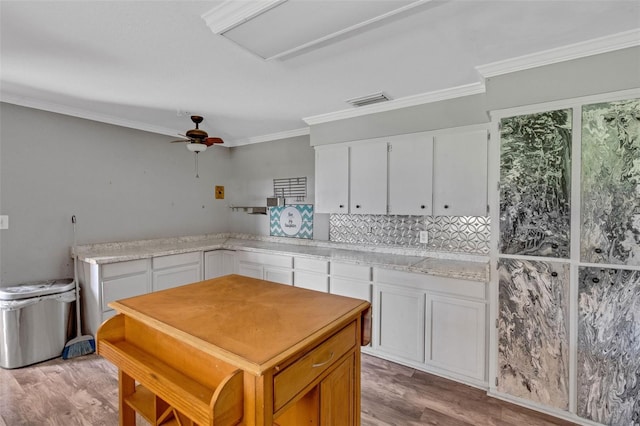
{"x":289,"y":345}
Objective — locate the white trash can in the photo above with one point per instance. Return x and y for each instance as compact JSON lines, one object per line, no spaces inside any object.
{"x":34,"y":321}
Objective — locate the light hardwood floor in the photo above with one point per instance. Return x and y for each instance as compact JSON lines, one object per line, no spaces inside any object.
{"x":84,"y":391}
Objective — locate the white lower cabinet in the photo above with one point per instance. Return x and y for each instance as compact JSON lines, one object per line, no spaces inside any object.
{"x":249,"y":269}
{"x":350,"y":280}
{"x":312,"y":274}
{"x":400,"y":322}
{"x":271,"y":267}
{"x":218,"y":263}
{"x":176,"y":270}
{"x":456,"y":335}
{"x":432,"y":323}
{"x":105,"y":283}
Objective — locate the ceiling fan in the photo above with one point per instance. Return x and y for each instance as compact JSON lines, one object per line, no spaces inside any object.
{"x":198,"y":140}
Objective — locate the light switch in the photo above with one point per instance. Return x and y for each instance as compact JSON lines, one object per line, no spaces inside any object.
{"x":424,"y":237}
{"x":4,"y":221}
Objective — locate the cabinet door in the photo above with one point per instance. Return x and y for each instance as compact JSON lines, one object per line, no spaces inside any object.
{"x":460,"y":174}
{"x":311,"y":280}
{"x":218,"y":263}
{"x":535,"y":184}
{"x":610,"y":175}
{"x":400,"y":322}
{"x":250,"y":269}
{"x":411,"y":174}
{"x":332,"y":180}
{"x":368,"y":174}
{"x":123,"y":279}
{"x":456,"y":335}
{"x":337,"y":395}
{"x":533,"y":331}
{"x":123,"y":287}
{"x":608,"y":345}
{"x":278,"y":275}
{"x":350,"y":288}
{"x":175,"y":277}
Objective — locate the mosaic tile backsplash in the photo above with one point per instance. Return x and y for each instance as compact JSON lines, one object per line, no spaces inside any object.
{"x":456,"y":234}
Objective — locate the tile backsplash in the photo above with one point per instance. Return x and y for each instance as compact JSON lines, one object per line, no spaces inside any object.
{"x":454,"y":234}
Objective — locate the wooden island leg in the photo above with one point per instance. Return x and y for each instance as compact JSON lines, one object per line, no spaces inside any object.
{"x":126,"y":387}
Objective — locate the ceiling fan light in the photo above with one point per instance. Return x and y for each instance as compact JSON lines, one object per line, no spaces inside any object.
{"x":196,"y":147}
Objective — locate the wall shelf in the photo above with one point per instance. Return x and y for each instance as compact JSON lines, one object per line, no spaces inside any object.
{"x":250,"y":209}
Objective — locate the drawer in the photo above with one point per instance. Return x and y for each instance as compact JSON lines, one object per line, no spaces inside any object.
{"x":351,"y":288}
{"x":118,"y":269}
{"x":311,"y":281}
{"x":266,"y":259}
{"x":293,"y":379}
{"x":312,"y":265}
{"x":172,"y":260}
{"x":349,"y":270}
{"x":123,"y":287}
{"x":432,"y":283}
{"x":278,"y":275}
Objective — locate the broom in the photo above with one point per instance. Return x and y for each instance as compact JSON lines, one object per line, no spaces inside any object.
{"x":80,"y":345}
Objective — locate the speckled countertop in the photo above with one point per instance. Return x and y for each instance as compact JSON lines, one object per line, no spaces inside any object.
{"x":469,"y":267}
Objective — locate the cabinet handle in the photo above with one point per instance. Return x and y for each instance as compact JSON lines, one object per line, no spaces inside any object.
{"x":554,"y":274}
{"x":554,"y":246}
{"x":422,"y":206}
{"x":357,"y":206}
{"x":342,"y":206}
{"x":598,"y":250}
{"x":320,"y":364}
{"x":446,"y":206}
{"x":595,"y":280}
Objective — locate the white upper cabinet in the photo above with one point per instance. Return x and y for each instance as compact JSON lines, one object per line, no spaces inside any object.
{"x":410,"y":174}
{"x":441,"y":173}
{"x":332,"y":179}
{"x":460,"y":174}
{"x":368,"y":172}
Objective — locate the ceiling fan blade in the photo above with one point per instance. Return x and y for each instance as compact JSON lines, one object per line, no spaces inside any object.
{"x":212,"y":141}
{"x":180,"y":140}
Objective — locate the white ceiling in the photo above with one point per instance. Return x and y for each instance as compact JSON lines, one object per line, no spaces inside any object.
{"x":143,"y":64}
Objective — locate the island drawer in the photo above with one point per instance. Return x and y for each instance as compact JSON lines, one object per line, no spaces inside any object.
{"x":294,"y":378}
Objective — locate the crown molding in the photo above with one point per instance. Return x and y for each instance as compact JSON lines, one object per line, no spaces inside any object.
{"x":81,"y":113}
{"x":233,"y":12}
{"x":271,"y":137}
{"x":408,"y":101}
{"x":560,"y":54}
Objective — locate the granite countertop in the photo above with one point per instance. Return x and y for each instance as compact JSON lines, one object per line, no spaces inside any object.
{"x":469,"y":267}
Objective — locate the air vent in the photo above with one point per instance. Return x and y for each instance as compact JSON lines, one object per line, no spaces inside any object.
{"x":368,"y":99}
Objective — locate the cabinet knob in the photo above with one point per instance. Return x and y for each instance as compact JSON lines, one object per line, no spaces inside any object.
{"x":357,"y":206}
{"x":554,"y":274}
{"x":554,"y":246}
{"x":598,"y":250}
{"x":446,"y":206}
{"x":423,"y":206}
{"x":595,"y":280}
{"x":342,"y":206}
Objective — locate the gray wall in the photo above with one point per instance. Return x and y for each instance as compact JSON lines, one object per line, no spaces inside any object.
{"x":122,"y":184}
{"x":255,"y":167}
{"x":445,"y":114}
{"x":596,"y":74}
{"x":607,"y":72}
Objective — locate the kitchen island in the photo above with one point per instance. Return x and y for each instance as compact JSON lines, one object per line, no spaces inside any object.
{"x":237,"y":350}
